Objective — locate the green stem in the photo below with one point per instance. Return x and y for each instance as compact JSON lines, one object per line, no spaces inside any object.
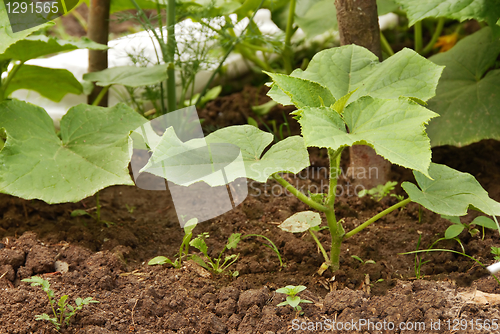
{"x":100,"y":96}
{"x":337,"y":233}
{"x":377,"y":217}
{"x":435,"y":36}
{"x":418,"y":36}
{"x":287,"y":51}
{"x":334,"y":158}
{"x":321,"y":248}
{"x":385,"y":45}
{"x":298,"y":194}
{"x":9,"y":78}
{"x":98,"y":207}
{"x":451,"y":251}
{"x":171,"y":98}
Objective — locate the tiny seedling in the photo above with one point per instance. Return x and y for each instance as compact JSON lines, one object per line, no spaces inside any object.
{"x":457,"y":227}
{"x":97,"y":217}
{"x":130,"y":208}
{"x":215,"y":265}
{"x":271,"y":245}
{"x":292,"y":299}
{"x":496,"y":251}
{"x":361,"y":260}
{"x":418,"y":260}
{"x":183,"y":250}
{"x":381,"y":191}
{"x":61,"y":309}
{"x":451,"y":251}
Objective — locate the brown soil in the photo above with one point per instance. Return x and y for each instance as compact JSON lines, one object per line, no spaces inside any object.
{"x":110,"y":263}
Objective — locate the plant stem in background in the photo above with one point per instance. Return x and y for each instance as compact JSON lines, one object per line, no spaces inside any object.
{"x":171,"y":98}
{"x":385,"y":45}
{"x":9,"y":78}
{"x":451,"y":251}
{"x":435,"y":36}
{"x":100,"y":96}
{"x":287,"y":51}
{"x":417,"y":30}
{"x":377,"y":217}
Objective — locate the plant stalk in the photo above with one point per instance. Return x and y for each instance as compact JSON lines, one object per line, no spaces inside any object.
{"x":377,"y":217}
{"x":9,"y":78}
{"x":287,"y":51}
{"x":100,"y":96}
{"x":320,"y":246}
{"x":385,"y":45}
{"x":418,"y":36}
{"x":434,"y":38}
{"x":299,"y":195}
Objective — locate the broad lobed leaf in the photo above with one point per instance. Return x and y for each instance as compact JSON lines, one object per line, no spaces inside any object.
{"x":481,"y":10}
{"x":467,"y":97}
{"x":237,"y":150}
{"x":93,"y":153}
{"x":450,"y":192}
{"x":39,"y":45}
{"x":394,"y":128}
{"x":348,"y":68}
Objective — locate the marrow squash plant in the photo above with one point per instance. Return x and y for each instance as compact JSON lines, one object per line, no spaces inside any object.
{"x":345,"y":97}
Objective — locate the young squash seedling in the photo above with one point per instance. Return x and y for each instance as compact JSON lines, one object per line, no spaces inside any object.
{"x":292,"y":299}
{"x":345,"y":97}
{"x":216,"y":265}
{"x":183,"y":250}
{"x":380,"y":191}
{"x":61,"y":309}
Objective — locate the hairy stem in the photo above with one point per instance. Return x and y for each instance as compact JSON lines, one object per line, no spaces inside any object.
{"x":298,"y":194}
{"x":377,"y":217}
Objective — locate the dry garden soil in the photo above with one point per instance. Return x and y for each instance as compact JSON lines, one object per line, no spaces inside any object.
{"x":82,"y":258}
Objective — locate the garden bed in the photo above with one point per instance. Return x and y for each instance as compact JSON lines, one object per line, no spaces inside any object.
{"x":110,"y":263}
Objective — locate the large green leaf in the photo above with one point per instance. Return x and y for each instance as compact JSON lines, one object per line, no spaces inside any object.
{"x":347,"y":68}
{"x":481,"y":10}
{"x":394,"y":128}
{"x":303,"y":93}
{"x":450,"y":192}
{"x":51,"y":83}
{"x":7,"y":37}
{"x":468,"y":94}
{"x":131,"y":76}
{"x":93,"y":153}
{"x":317,"y":18}
{"x":202,"y":160}
{"x":40,"y":45}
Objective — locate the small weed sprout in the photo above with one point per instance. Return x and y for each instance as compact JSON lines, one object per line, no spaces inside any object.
{"x":216,"y":265}
{"x":362,"y":261}
{"x":380,"y":191}
{"x":183,"y":250}
{"x":292,"y":299}
{"x":496,"y":251}
{"x":61,"y":309}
